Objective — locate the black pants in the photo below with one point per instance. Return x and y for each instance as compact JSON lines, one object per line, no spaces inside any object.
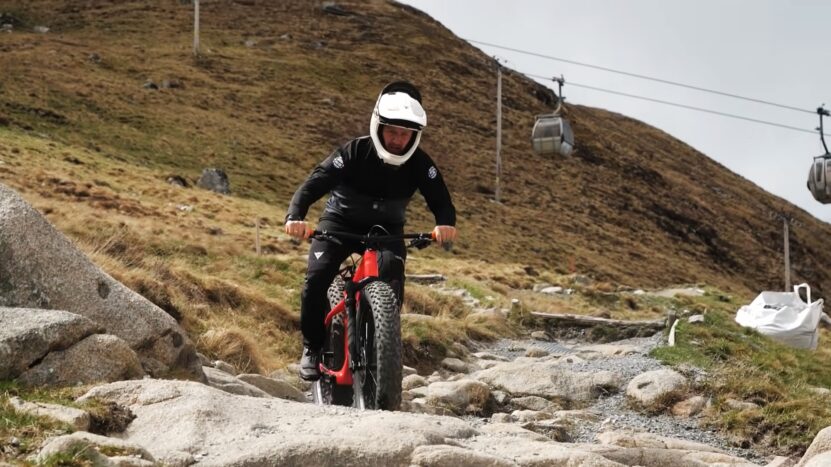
{"x":325,"y":258}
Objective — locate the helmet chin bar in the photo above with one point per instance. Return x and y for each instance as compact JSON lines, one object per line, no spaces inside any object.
{"x":386,"y":156}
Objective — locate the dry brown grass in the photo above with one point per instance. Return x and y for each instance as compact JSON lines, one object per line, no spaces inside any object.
{"x":235,"y":346}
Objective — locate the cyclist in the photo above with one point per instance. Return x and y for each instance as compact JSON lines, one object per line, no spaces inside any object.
{"x":370,"y":180}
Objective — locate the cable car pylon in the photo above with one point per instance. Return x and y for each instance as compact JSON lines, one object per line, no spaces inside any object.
{"x":552,"y":133}
{"x":819,"y":177}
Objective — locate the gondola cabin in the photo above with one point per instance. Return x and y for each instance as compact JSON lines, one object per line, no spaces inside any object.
{"x":551,"y":135}
{"x":819,"y":178}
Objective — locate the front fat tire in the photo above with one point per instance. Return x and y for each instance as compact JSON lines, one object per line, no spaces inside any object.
{"x":382,"y":378}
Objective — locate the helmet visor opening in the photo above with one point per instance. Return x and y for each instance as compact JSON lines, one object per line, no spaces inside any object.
{"x":397,"y":139}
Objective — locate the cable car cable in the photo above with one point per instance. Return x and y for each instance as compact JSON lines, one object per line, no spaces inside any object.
{"x":683,"y":106}
{"x":636,"y":75}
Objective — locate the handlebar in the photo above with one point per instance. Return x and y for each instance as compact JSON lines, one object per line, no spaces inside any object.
{"x":418,"y":240}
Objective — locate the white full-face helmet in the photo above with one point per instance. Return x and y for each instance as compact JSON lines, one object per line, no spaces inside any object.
{"x":399,"y":104}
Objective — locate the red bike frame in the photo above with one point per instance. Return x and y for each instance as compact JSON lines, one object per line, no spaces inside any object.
{"x":367,"y":267}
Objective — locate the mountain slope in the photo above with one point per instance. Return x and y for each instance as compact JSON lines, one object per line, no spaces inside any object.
{"x":280,"y":84}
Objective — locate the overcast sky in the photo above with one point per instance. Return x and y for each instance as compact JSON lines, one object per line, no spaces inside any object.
{"x":770,"y":50}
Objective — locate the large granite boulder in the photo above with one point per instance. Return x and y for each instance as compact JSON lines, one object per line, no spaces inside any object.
{"x":41,"y":268}
{"x":549,"y":380}
{"x":27,"y":335}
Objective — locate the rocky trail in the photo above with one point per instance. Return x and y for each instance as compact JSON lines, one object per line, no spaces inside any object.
{"x":511,"y":403}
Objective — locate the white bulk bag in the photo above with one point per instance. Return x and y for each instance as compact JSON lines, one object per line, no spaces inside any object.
{"x":784,"y":317}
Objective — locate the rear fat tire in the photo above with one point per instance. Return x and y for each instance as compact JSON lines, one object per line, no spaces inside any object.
{"x":332,"y":393}
{"x":382,"y":376}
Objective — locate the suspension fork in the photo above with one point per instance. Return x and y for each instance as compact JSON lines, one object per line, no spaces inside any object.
{"x":351,"y":300}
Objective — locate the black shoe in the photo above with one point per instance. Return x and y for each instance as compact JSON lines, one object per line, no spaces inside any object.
{"x":309,"y":364}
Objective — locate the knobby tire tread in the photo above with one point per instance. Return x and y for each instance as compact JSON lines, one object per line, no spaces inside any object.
{"x":383,"y":303}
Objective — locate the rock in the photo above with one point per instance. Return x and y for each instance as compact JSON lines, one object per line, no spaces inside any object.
{"x":824,"y":392}
{"x":690,"y":407}
{"x":553,"y":429}
{"x":552,"y":290}
{"x":445,"y":455}
{"x":734,"y":404}
{"x":420,"y":391}
{"x":178,"y":181}
{"x":40,"y":29}
{"x":666,"y":457}
{"x":574,"y":359}
{"x":205,"y":361}
{"x":540,"y":336}
{"x":228,"y":383}
{"x":821,"y":444}
{"x":536,"y":352}
{"x":487,"y":364}
{"x":696,"y":319}
{"x":454,"y":364}
{"x":820,"y":460}
{"x":489,"y":356}
{"x":502,"y":418}
{"x":76,"y":418}
{"x":500,"y":397}
{"x":523,"y":416}
{"x":97,"y":358}
{"x":407,"y":371}
{"x":608,"y":350}
{"x":549,"y":380}
{"x":575,"y":417}
{"x":413,"y":381}
{"x":150,"y":85}
{"x":649,"y":440}
{"x":172,"y":83}
{"x":27,"y":335}
{"x":215,"y":180}
{"x":531,"y":403}
{"x":274,"y":387}
{"x":684,"y":292}
{"x":540,"y":286}
{"x":526,"y":448}
{"x":224,"y":366}
{"x":463,"y":396}
{"x":780,"y":461}
{"x":41,"y":268}
{"x":653,"y":389}
{"x":291,"y":375}
{"x":92,"y":444}
{"x":420,"y":406}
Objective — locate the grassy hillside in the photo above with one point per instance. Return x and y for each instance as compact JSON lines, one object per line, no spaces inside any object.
{"x":278,"y":86}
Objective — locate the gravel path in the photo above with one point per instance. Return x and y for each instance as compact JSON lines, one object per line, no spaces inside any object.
{"x":616,"y":414}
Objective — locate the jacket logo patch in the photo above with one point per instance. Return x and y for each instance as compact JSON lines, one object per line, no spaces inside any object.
{"x":432,"y":172}
{"x":318,"y":254}
{"x":338,"y":162}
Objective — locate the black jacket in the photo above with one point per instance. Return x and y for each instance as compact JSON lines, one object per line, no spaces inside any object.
{"x":365,"y":191}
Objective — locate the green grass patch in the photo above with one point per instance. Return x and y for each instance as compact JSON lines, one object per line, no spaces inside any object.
{"x":745,"y":365}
